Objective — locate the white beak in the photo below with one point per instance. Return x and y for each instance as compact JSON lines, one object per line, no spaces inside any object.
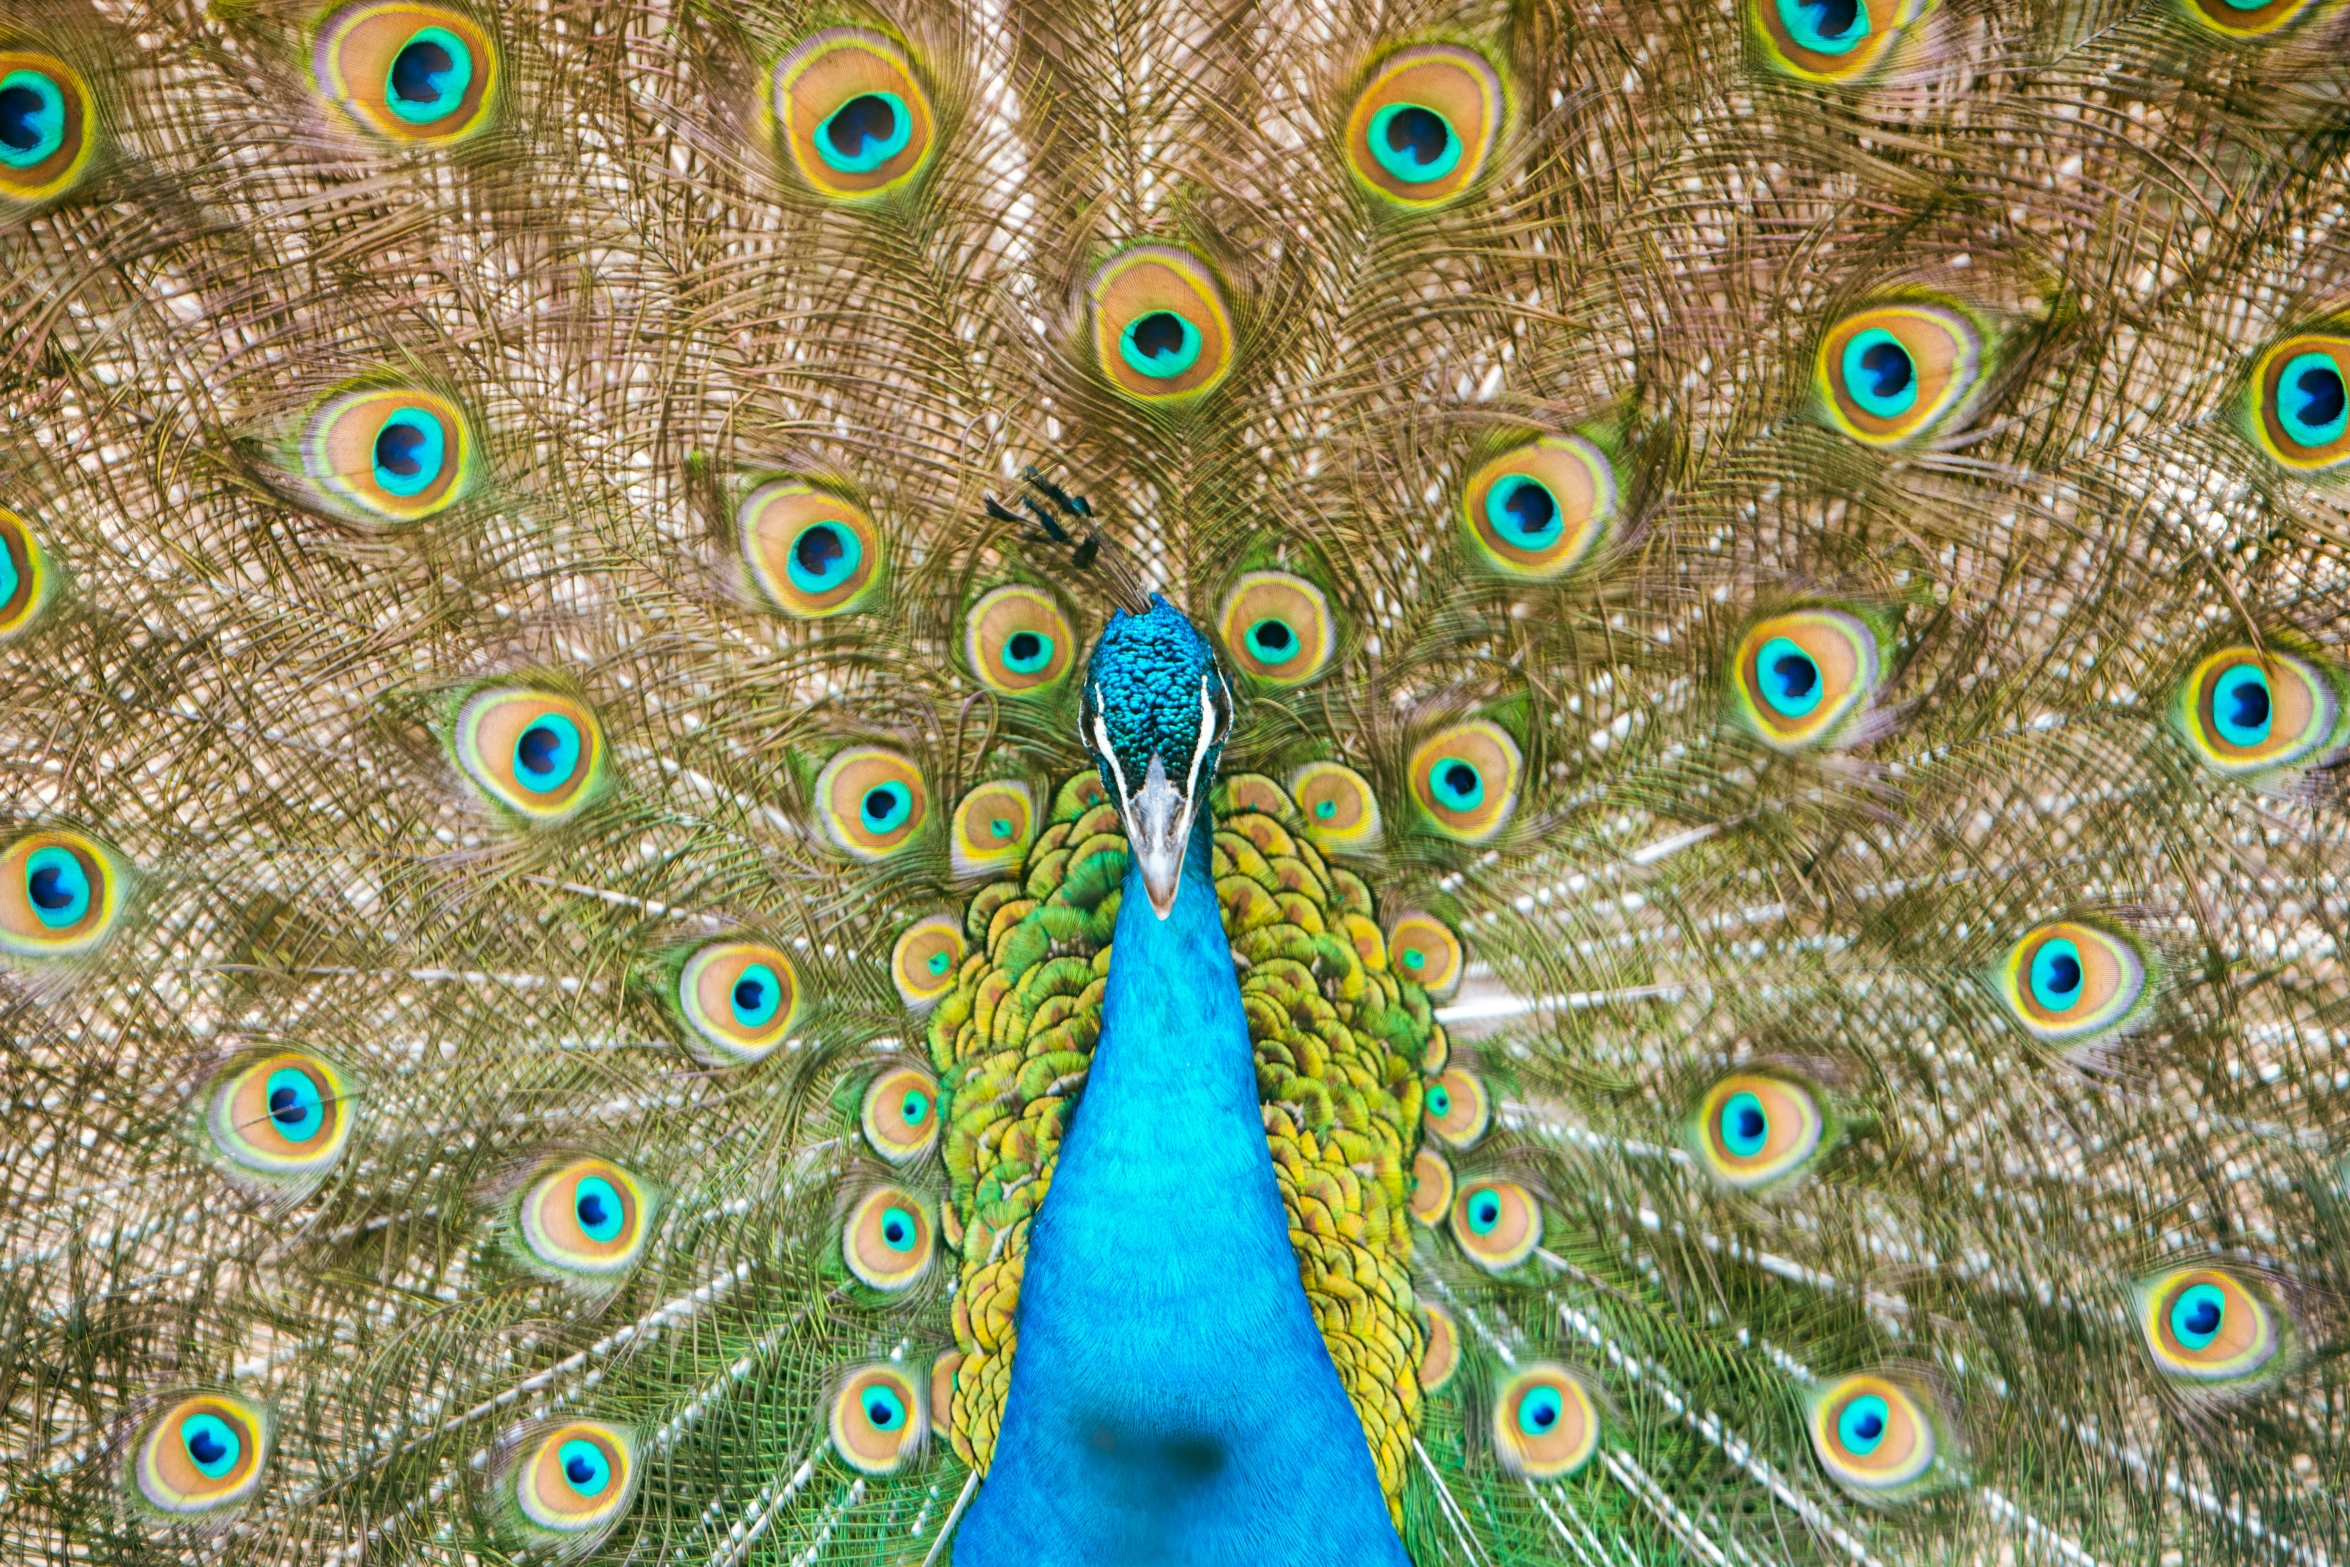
{"x":1158,"y":827}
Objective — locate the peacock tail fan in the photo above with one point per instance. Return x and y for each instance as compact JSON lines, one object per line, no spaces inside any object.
{"x":1778,"y":588}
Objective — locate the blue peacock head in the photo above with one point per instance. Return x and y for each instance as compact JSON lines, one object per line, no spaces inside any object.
{"x":1157,"y":713}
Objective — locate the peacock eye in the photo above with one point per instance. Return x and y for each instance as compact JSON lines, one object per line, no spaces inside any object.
{"x":2246,"y":18}
{"x":1829,"y":41}
{"x":1465,"y":779}
{"x":1871,"y":1435}
{"x":1753,"y":1131}
{"x":1797,"y":678}
{"x":388,"y":456}
{"x":857,"y":124}
{"x":1424,"y":950}
{"x":203,"y":1455}
{"x":873,"y":801}
{"x":47,"y":126}
{"x":877,"y":1419}
{"x":1423,"y":126}
{"x":538,"y":754}
{"x":1277,"y":628}
{"x":2068,"y":982}
{"x":1442,"y":1356}
{"x":1537,"y":512}
{"x":1160,"y":328}
{"x":1893,"y":373}
{"x":1545,"y":1426}
{"x":60,"y":893}
{"x":992,"y":828}
{"x":899,"y":1115}
{"x":284,"y":1117}
{"x":27,"y":580}
{"x":1017,"y":641}
{"x":423,"y":75}
{"x":1458,"y":1110}
{"x":2207,"y":1327}
{"x":888,"y":1239}
{"x":577,"y":1477}
{"x":927,"y":959}
{"x":739,"y":999}
{"x":1341,"y":812}
{"x":1431,"y":1194}
{"x":810,"y":552}
{"x":587,"y":1219}
{"x":2246,"y":711}
{"x":1497,"y":1223}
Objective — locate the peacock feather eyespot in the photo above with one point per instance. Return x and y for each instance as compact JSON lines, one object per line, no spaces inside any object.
{"x":878,"y":1419}
{"x":1161,"y":333}
{"x":889,"y":1238}
{"x":1277,"y":628}
{"x":1442,"y":1356}
{"x":2300,"y":393}
{"x":1497,"y":1223}
{"x":1892,"y":374}
{"x":1798,"y":679}
{"x":537,"y":754}
{"x":1829,"y":41}
{"x":28,"y":581}
{"x":2243,"y":20}
{"x":1456,"y":1108}
{"x":873,"y":801}
{"x":48,"y":126}
{"x":280,"y":1120}
{"x":1424,"y":126}
{"x":1753,"y":1131}
{"x":577,"y":1477}
{"x":810,"y":553}
{"x":1545,"y":1426}
{"x":853,"y":118}
{"x":387,"y":456}
{"x":2210,"y":1329}
{"x":418,"y":75}
{"x":992,"y":828}
{"x":2069,"y":982}
{"x":61,"y":893}
{"x":204,"y":1455}
{"x":1464,"y":778}
{"x":1430,"y":1195}
{"x":739,"y":999}
{"x":1535,"y":513}
{"x":899,"y":1114}
{"x":2248,"y":711}
{"x":926,"y":960}
{"x":586,"y":1220}
{"x":1424,"y":950}
{"x":1875,"y":1437}
{"x":1341,"y":812}
{"x":1018,"y":642}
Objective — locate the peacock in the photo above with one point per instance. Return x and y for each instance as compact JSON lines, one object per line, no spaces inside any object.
{"x":1000,"y":782}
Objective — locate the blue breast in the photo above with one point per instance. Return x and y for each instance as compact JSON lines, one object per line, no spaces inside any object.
{"x":1171,"y":1399}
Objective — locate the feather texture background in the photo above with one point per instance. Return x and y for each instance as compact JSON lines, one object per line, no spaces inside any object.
{"x":632,"y":313}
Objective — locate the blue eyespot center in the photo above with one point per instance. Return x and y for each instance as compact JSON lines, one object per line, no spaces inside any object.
{"x":865,"y":132}
{"x":937,"y":963}
{"x":546,"y":753}
{"x":585,"y":1468}
{"x":757,"y":996}
{"x":599,"y":1209}
{"x":429,"y":76}
{"x":1414,"y":958}
{"x":1745,"y":1127}
{"x":1539,"y":1411}
{"x":898,"y":1229}
{"x":825,"y":555}
{"x":1026,"y":652}
{"x":295,"y":1106}
{"x":1273,"y":642}
{"x":1160,"y":344}
{"x":32,"y":119}
{"x":2240,"y":705}
{"x":1484,"y":1213}
{"x":1825,"y":26}
{"x":2195,"y":1317}
{"x":1790,"y":678}
{"x":2056,"y":975}
{"x":886,"y":806}
{"x":1879,"y":374}
{"x":1413,"y":143}
{"x":57,"y":886}
{"x":1523,"y":512}
{"x":1324,"y":810}
{"x":1457,"y":785}
{"x":2313,"y":405}
{"x":212,"y":1445}
{"x":884,"y":1410}
{"x":409,"y":450}
{"x":1860,"y":1427}
{"x":1439,"y":1101}
{"x":914,"y":1108}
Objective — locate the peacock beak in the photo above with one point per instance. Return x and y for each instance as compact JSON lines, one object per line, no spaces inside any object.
{"x":1158,"y":827}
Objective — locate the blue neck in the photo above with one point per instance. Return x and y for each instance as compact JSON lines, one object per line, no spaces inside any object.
{"x":1172,"y":1400}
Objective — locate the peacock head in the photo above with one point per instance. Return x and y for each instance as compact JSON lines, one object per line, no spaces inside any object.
{"x":1157,"y":713}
